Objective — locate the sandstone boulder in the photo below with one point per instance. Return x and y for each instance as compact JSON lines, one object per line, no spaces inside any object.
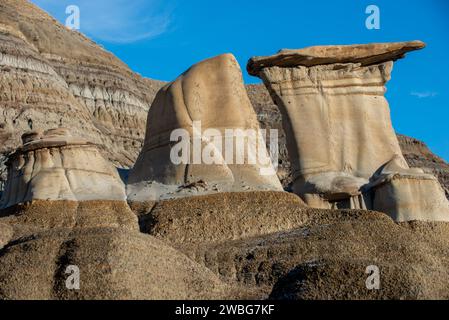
{"x":408,"y":194}
{"x":338,"y":126}
{"x":56,"y":180}
{"x":206,"y":101}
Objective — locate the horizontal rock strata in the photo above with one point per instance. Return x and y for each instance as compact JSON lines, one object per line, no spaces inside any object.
{"x":338,"y":127}
{"x":363,"y":54}
{"x":76,"y":84}
{"x":57,"y":166}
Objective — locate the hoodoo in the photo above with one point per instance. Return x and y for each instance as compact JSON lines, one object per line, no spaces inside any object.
{"x":57,"y":180}
{"x":340,"y":139}
{"x":54,"y":165}
{"x":210,"y":95}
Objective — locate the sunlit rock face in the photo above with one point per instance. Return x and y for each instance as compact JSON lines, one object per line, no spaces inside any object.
{"x":57,"y":166}
{"x":57,"y":180}
{"x":338,"y":126}
{"x":52,"y":76}
{"x":206,"y":101}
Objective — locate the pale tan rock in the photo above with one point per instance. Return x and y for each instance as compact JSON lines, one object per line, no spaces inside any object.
{"x":118,"y":116}
{"x":211,"y":93}
{"x":6,"y":233}
{"x":415,"y":152}
{"x":57,"y":166}
{"x":337,"y":122}
{"x":408,"y":194}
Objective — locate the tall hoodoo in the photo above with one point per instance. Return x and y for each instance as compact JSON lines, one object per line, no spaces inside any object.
{"x":206,"y":101}
{"x":339,"y":133}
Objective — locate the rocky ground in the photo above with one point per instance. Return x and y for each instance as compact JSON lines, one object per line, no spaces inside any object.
{"x":302,"y":253}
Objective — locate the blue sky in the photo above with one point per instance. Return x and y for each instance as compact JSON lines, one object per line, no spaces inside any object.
{"x":161,"y":38}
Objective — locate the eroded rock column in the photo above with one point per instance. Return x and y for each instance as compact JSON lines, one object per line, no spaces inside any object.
{"x":337,"y":121}
{"x":206,"y":102}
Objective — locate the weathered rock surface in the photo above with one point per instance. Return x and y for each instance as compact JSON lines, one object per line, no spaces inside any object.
{"x":323,"y":255}
{"x":57,"y":166}
{"x":206,"y":102}
{"x":6,"y":233}
{"x":338,"y":128}
{"x":47,"y":215}
{"x":408,"y":195}
{"x":232,"y":216}
{"x":75,"y":84}
{"x":415,"y":152}
{"x":113,"y":264}
{"x":78,"y":68}
{"x":363,"y":54}
{"x":327,"y":257}
{"x":245,"y":245}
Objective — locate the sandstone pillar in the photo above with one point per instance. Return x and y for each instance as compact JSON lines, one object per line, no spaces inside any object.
{"x":337,"y":121}
{"x":210,"y":96}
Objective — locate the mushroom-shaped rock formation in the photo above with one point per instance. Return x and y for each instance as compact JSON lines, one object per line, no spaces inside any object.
{"x":206,"y":110}
{"x":339,"y":131}
{"x":58,"y":180}
{"x":56,"y":166}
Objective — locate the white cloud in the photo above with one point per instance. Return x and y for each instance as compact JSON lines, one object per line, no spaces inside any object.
{"x":117,"y":21}
{"x":425,"y":94}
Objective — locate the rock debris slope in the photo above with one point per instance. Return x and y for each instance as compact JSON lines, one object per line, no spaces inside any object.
{"x":415,"y":152}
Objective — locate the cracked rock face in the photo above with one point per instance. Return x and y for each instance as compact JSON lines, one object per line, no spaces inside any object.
{"x":57,"y":166}
{"x":209,"y":96}
{"x":363,"y":54}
